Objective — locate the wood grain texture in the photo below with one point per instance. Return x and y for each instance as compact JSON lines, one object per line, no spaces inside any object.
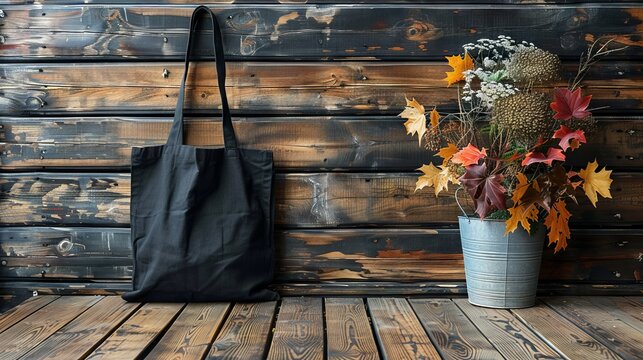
{"x":299,"y":331}
{"x":621,"y":310}
{"x":603,"y":326}
{"x":32,"y":330}
{"x":452,"y":333}
{"x":190,"y":335}
{"x":348,"y":330}
{"x":134,"y":336}
{"x":26,"y":308}
{"x":631,"y":305}
{"x":306,"y":200}
{"x":398,"y":331}
{"x":78,"y":338}
{"x":307,"y":31}
{"x":311,"y":143}
{"x":245,"y":334}
{"x":508,"y":335}
{"x":267,"y":88}
{"x":564,"y":336}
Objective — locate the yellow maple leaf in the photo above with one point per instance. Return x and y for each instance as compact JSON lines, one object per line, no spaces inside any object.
{"x":520,"y":189}
{"x":416,"y":119}
{"x":435,"y":118}
{"x":557,"y":221}
{"x":459,"y":66}
{"x":447,"y":152}
{"x":596,"y":182}
{"x":522,"y":215}
{"x":437,"y":177}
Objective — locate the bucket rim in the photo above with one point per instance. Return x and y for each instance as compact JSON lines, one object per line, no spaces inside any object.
{"x":478,"y":219}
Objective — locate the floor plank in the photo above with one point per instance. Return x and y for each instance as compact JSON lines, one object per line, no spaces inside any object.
{"x":132,"y":338}
{"x":603,"y":326}
{"x":618,"y":308}
{"x":299,"y":332}
{"x":348,"y":331}
{"x":631,"y":305}
{"x":31,"y":331}
{"x":245,"y":333}
{"x":192,"y":332}
{"x":398,"y":330}
{"x":78,"y":338}
{"x":26,"y":308}
{"x":451,"y":331}
{"x":507,"y":334}
{"x":566,"y":337}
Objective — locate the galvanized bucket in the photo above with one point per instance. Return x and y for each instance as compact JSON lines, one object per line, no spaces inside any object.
{"x":501,"y":271}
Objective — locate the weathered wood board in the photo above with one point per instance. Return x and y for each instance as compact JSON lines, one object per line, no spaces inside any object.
{"x":302,"y":200}
{"x":308,"y":31}
{"x":310,"y":143}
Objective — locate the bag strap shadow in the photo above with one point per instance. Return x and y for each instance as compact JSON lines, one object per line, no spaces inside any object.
{"x":176,"y":132}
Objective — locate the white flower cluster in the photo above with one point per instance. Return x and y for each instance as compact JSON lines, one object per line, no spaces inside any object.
{"x":493,"y":56}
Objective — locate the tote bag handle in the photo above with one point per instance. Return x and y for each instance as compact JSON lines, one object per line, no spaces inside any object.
{"x":176,"y":132}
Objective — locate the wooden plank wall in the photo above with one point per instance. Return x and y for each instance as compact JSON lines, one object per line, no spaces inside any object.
{"x":320,"y":84}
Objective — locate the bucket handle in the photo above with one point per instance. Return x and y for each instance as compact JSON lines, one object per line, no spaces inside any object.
{"x":458,"y":202}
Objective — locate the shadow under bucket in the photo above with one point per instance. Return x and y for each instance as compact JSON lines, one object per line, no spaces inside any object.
{"x":501,"y":270}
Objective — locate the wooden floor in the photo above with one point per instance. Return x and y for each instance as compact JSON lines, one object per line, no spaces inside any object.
{"x":106,"y":327}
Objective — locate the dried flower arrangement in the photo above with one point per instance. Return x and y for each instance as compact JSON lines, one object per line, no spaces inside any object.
{"x":507,"y":144}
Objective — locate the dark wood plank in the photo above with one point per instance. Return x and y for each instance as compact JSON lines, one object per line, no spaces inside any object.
{"x":296,"y":31}
{"x":191,"y":334}
{"x":26,"y":308}
{"x":612,"y":332}
{"x":334,"y":88}
{"x":310,"y":143}
{"x":565,"y":337}
{"x":134,"y":336}
{"x":508,"y":335}
{"x":78,"y":338}
{"x":302,"y":200}
{"x":392,"y":254}
{"x":299,"y":331}
{"x":348,"y":330}
{"x":398,"y":331}
{"x":245,"y":333}
{"x":617,"y":309}
{"x":452,"y":333}
{"x":32,"y":330}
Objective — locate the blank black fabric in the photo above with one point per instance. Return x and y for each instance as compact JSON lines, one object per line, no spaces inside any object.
{"x":202,"y":218}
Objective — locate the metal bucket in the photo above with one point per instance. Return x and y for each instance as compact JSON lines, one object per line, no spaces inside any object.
{"x":501,"y":271}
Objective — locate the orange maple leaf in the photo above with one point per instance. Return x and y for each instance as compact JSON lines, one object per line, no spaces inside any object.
{"x":447,"y":152}
{"x":596,"y":182}
{"x":470,"y":155}
{"x":557,"y":221}
{"x":459,"y":65}
{"x":435,"y":118}
{"x":520,"y":188}
{"x":521,"y":214}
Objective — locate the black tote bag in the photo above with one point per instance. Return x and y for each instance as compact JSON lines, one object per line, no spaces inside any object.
{"x":202,"y":218}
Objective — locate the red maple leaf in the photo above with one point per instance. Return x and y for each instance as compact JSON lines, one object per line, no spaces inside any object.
{"x":569,"y":138}
{"x":486,"y":190}
{"x":538,"y":157}
{"x":570,"y":104}
{"x":470,"y":155}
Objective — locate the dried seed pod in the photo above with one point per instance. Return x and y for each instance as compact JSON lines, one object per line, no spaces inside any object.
{"x":534,"y":66}
{"x":524,"y":116}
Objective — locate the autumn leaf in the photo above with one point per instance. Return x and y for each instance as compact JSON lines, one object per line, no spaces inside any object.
{"x":437,"y":177}
{"x":470,"y":155}
{"x":521,"y":214}
{"x":570,"y":104}
{"x":459,"y":65}
{"x":520,"y":188}
{"x":538,"y":157}
{"x":596,"y":182}
{"x":447,"y":152}
{"x":557,"y":221}
{"x":486,"y":191}
{"x":435,"y":118}
{"x":416,"y":119}
{"x":569,"y":138}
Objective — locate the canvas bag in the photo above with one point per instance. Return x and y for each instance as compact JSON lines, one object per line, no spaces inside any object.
{"x":202,"y":218}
